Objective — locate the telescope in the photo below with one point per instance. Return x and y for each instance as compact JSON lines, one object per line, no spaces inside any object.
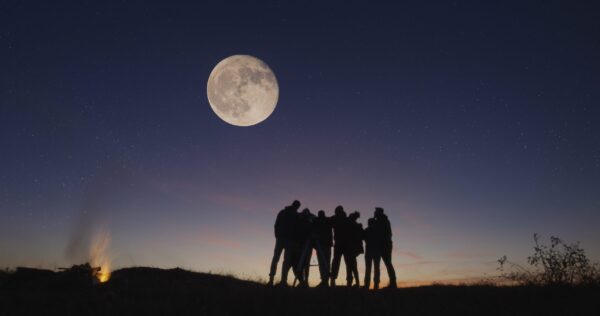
{"x":312,"y":242}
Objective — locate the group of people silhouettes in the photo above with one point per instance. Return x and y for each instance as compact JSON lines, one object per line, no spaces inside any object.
{"x":297,"y":234}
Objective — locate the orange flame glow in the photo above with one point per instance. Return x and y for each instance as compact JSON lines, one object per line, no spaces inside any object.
{"x":99,"y":256}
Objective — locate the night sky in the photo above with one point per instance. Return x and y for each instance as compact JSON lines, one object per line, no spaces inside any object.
{"x":474,"y":125}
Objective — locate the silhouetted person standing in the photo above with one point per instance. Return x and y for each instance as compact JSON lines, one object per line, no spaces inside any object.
{"x":340,"y":233}
{"x":285,"y":225}
{"x":303,"y":244}
{"x":323,"y":232}
{"x":354,"y":248}
{"x":384,"y":232}
{"x":372,"y":253}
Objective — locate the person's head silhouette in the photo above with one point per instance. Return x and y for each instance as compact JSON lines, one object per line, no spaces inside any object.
{"x":378,"y":212}
{"x":321,"y":214}
{"x":371,"y":222}
{"x":296,"y":205}
{"x":354,"y":216}
{"x":339,"y":211}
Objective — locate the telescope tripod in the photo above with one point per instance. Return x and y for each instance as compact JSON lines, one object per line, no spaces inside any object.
{"x":303,"y":265}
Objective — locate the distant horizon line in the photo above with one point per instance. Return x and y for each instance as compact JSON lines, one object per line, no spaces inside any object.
{"x":474,"y":280}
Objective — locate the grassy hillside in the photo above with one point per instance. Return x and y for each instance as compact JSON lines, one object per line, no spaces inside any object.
{"x":176,"y":292}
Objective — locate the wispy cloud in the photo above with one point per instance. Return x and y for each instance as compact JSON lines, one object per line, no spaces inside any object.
{"x":466,"y":254}
{"x":418,"y":263}
{"x":409,"y":254}
{"x":217,"y":240}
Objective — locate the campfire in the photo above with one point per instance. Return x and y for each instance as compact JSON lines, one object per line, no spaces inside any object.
{"x":99,"y":258}
{"x":82,"y":274}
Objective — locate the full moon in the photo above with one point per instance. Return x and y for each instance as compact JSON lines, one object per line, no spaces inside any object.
{"x":242,"y":90}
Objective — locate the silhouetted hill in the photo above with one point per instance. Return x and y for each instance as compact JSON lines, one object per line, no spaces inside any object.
{"x":176,"y":291}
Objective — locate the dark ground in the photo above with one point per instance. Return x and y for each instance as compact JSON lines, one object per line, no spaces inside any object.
{"x":142,"y":291}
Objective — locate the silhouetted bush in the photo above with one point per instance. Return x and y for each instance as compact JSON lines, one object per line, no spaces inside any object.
{"x":556,"y":264}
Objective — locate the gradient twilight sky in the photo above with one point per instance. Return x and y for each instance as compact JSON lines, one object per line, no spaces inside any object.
{"x":473,"y":124}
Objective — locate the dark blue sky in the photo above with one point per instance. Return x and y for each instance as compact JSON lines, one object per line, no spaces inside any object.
{"x":473,"y":124}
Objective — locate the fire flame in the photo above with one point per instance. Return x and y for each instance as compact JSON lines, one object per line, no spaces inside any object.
{"x":99,"y":256}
